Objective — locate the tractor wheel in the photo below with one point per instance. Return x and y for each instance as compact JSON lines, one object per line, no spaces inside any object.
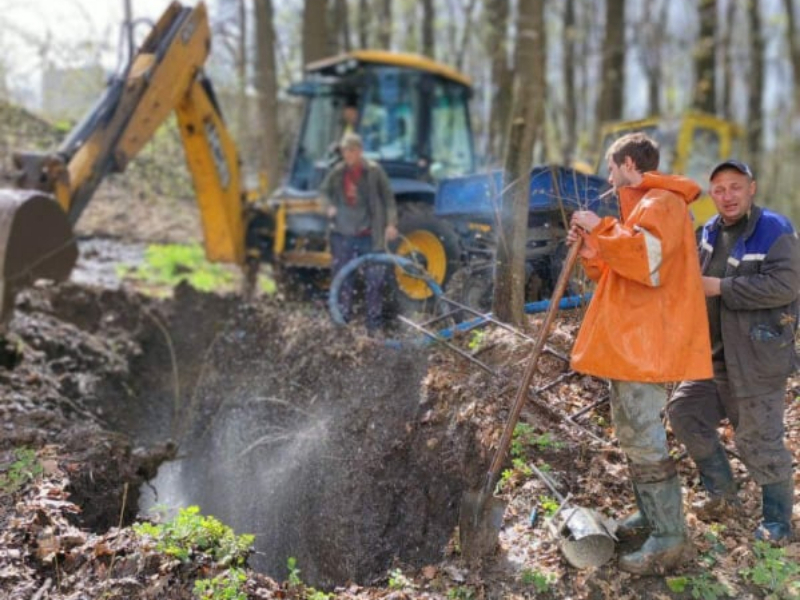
{"x":434,"y":245}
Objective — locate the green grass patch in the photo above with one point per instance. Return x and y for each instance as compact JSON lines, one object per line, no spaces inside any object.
{"x":774,"y":572}
{"x":190,"y":534}
{"x":167,"y":265}
{"x":25,"y":468}
{"x":225,"y":586}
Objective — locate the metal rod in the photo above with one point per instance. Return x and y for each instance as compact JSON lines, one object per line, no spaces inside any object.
{"x":586,"y":409}
{"x":488,"y":317}
{"x":450,"y":346}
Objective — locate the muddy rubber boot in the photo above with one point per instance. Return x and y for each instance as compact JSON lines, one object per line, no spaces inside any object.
{"x":777,"y":500}
{"x":636,"y":522}
{"x":717,"y":477}
{"x":667,"y":546}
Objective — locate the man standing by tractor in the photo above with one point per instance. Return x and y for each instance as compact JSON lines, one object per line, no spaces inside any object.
{"x":750,"y":258}
{"x":645,"y":326}
{"x":363,"y":214}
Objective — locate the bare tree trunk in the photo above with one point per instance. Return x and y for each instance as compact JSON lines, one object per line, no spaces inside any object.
{"x":385,"y":25}
{"x":612,"y":80}
{"x":793,"y":35}
{"x":428,"y":26}
{"x":705,"y":58}
{"x":267,"y":85}
{"x":570,"y":99}
{"x":315,"y":30}
{"x":241,"y":76}
{"x":341,"y":27}
{"x":497,"y":33}
{"x":465,"y":35}
{"x":727,"y":61}
{"x":363,"y":23}
{"x":528,"y":118}
{"x":587,"y":110}
{"x":755,"y":95}
{"x":649,"y":38}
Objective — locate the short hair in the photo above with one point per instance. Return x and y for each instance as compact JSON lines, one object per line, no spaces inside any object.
{"x":352,"y":140}
{"x":642,"y":149}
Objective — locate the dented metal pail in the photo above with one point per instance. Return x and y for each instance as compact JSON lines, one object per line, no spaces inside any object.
{"x":584,"y":537}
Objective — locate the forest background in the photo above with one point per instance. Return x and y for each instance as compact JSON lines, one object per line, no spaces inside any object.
{"x":580,"y":63}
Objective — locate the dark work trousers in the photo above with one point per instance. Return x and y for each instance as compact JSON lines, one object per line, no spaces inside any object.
{"x":345,"y":248}
{"x":698,"y":407}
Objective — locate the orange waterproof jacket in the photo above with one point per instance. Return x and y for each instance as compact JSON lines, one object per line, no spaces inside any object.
{"x":647,"y":320}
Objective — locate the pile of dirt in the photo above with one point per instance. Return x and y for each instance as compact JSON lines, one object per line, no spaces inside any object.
{"x":285,"y":426}
{"x":349,"y":455}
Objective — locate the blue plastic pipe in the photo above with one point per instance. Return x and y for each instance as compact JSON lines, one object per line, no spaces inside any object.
{"x":409,"y":266}
{"x":530,"y":308}
{"x":413,"y":270}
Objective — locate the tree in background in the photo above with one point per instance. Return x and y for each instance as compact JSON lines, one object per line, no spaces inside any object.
{"x":267,"y":86}
{"x":648,"y":38}
{"x":363,"y":23}
{"x":428,"y":28}
{"x":705,"y":64}
{"x":726,"y":51}
{"x":527,"y":123}
{"x":496,"y":36}
{"x":793,"y":43}
{"x":755,"y":97}
{"x":340,"y":31}
{"x":612,"y":76}
{"x":570,"y":137}
{"x":384,"y":26}
{"x":315,"y":30}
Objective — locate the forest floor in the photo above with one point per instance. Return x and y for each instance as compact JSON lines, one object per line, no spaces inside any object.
{"x":347,"y":458}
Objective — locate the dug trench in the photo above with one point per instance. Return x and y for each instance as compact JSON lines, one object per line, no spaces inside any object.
{"x":272,"y":420}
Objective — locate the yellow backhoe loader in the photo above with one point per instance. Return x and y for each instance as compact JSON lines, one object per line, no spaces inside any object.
{"x":52,"y":190}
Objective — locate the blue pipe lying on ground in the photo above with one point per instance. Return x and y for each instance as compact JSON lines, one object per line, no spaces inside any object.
{"x":414,"y":270}
{"x":530,"y":308}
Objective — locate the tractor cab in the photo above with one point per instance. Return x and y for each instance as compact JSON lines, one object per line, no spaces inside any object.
{"x":411,"y":113}
{"x":690,"y":146}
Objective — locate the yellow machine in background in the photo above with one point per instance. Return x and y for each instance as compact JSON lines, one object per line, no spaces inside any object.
{"x":690,"y":145}
{"x":52,"y":189}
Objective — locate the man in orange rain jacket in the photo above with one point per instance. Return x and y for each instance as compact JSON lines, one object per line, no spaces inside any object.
{"x":646,"y":325}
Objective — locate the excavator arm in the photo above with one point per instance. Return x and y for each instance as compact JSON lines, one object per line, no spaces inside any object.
{"x":164,"y":75}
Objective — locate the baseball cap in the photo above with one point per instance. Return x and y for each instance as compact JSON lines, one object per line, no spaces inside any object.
{"x":732,"y":163}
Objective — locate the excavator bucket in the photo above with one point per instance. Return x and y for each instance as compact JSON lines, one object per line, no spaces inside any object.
{"x":36,"y":242}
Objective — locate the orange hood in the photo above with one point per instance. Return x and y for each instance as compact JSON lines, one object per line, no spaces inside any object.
{"x":653,"y":180}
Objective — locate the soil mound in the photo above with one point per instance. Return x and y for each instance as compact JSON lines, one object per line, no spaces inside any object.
{"x":283,"y":425}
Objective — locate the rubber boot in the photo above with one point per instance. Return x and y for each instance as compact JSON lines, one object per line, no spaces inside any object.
{"x":667,"y":546}
{"x":634,"y":523}
{"x":777,"y":500}
{"x":717,"y":477}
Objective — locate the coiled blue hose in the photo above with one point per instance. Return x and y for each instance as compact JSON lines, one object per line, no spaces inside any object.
{"x":409,"y":266}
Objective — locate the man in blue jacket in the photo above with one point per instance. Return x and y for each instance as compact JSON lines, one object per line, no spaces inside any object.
{"x":750,"y":258}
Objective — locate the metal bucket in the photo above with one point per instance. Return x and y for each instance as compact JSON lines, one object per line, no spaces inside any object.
{"x":584,"y":537}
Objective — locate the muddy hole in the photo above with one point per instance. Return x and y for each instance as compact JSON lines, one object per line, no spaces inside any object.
{"x":285,"y":427}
